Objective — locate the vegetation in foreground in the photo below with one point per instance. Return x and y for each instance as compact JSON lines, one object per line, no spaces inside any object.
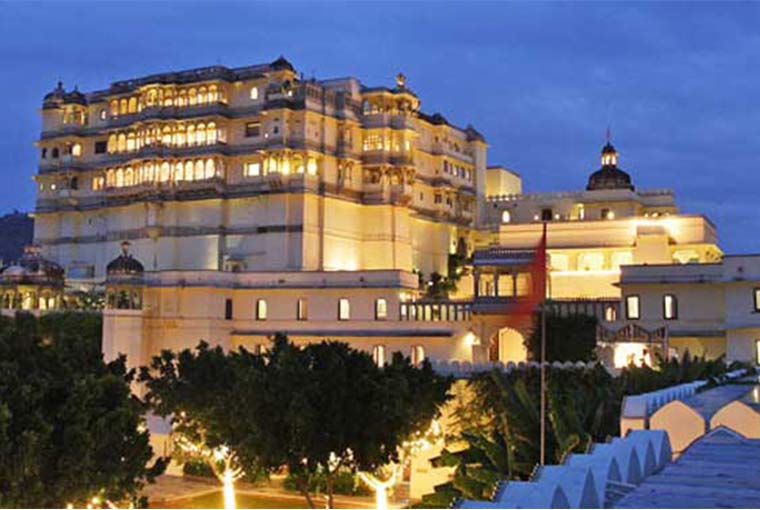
{"x":319,"y":410}
{"x":70,"y":430}
{"x":500,"y":424}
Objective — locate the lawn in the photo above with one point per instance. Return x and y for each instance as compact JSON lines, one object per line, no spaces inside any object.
{"x":216,"y":500}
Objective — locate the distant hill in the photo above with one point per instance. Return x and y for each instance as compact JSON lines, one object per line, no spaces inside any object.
{"x":16,"y":231}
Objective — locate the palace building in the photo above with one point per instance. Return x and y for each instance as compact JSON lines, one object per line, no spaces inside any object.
{"x":249,"y":201}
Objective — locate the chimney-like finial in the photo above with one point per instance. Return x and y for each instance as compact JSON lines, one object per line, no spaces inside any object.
{"x":125,"y":248}
{"x":401,"y":80}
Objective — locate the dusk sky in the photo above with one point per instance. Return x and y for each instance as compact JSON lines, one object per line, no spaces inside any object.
{"x":678,"y":83}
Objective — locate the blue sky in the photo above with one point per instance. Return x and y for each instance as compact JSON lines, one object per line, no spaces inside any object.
{"x":677,"y":82}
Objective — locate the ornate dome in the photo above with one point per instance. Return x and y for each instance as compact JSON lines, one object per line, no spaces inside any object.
{"x":282,"y":63}
{"x":54,"y":98}
{"x":33,"y":269}
{"x":124,"y":264}
{"x":75,"y":97}
{"x":609,"y":176}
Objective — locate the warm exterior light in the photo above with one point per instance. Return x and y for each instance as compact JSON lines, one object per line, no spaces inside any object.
{"x":630,"y":352}
{"x":471,"y":339}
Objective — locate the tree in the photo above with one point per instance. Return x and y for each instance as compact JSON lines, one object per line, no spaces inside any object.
{"x":201,"y":390}
{"x":329,"y":407}
{"x":318,"y":410}
{"x":70,"y":429}
{"x":568,"y":338}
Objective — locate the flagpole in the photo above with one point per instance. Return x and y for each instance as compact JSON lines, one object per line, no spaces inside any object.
{"x":543,"y":362}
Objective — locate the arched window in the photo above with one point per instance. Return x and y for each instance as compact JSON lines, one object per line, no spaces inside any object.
{"x":132,"y":105}
{"x":182,"y":98}
{"x":202,"y":95}
{"x":179,"y":172}
{"x":211,"y":133}
{"x":191,"y":135}
{"x":506,"y":217}
{"x":669,"y":307}
{"x":123,"y":106}
{"x":417,"y":354}
{"x":610,"y":313}
{"x":199,"y":170}
{"x":188,"y":170}
{"x":381,"y":309}
{"x":149,"y":172}
{"x":151,"y":97}
{"x":166,"y":136}
{"x":131,"y":142}
{"x":119,"y":178}
{"x":129,"y":177}
{"x":122,"y":145}
{"x":192,"y":97}
{"x":109,"y":178}
{"x":114,"y":108}
{"x":378,"y":355}
{"x":55,"y":152}
{"x":261,"y":310}
{"x":210,"y":170}
{"x":76,"y":149}
{"x":311,"y":166}
{"x":111,"y":144}
{"x":254,"y":93}
{"x":213,"y":94}
{"x":165,"y":171}
{"x":180,"y":135}
{"x":200,"y":134}
{"x":344,"y":309}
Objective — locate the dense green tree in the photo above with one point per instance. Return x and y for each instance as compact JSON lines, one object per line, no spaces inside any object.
{"x":568,"y":338}
{"x":70,"y":429}
{"x":318,"y":410}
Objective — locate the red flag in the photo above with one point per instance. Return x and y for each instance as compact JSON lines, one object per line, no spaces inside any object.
{"x":528,"y":304}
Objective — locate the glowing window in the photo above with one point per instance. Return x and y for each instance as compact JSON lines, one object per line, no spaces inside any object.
{"x":103,"y":114}
{"x":591,"y":261}
{"x":76,"y":149}
{"x":756,"y":298}
{"x":311,"y":166}
{"x":344,"y":309}
{"x":378,"y":355}
{"x":559,"y":262}
{"x":381,"y":309}
{"x":302,"y":309}
{"x":669,"y":307}
{"x":252,"y":169}
{"x":757,"y":352}
{"x":621,"y":258}
{"x":210,"y":169}
{"x":610,"y":313}
{"x":686,"y":256}
{"x":254,"y":93}
{"x":632,"y":309}
{"x":506,"y":217}
{"x":261,"y":310}
{"x":417,"y":355}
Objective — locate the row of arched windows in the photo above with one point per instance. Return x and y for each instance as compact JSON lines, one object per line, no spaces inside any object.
{"x":179,"y":135}
{"x":167,"y":97}
{"x":286,"y":164}
{"x":166,"y":172}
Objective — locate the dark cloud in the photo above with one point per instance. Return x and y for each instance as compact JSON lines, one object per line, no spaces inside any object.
{"x":676,"y":81}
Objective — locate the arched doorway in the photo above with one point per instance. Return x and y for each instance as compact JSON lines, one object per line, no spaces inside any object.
{"x":507,"y":345}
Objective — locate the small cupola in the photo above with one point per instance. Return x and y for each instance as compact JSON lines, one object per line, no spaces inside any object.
{"x":609,"y":176}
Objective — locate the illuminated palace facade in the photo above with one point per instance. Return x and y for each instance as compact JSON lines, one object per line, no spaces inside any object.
{"x":251,"y":201}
